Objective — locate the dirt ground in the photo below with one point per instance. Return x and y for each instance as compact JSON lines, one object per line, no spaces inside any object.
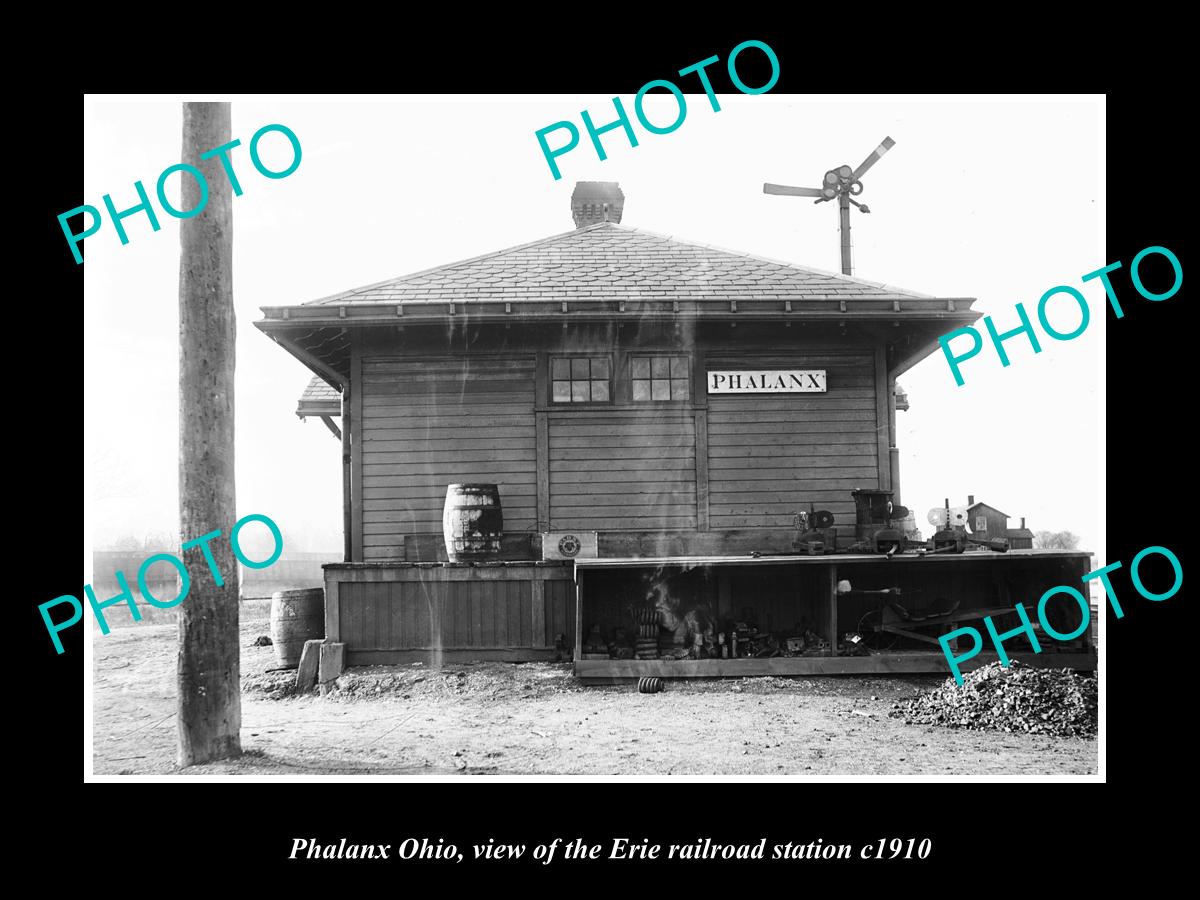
{"x":535,"y":719}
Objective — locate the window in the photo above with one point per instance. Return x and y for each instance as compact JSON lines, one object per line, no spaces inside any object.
{"x":981,"y":523}
{"x":581,"y":379}
{"x":660,"y":378}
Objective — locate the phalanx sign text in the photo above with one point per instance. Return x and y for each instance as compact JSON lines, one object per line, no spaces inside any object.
{"x":775,"y":381}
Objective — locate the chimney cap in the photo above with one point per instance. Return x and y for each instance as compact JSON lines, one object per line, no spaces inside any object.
{"x":596,"y":201}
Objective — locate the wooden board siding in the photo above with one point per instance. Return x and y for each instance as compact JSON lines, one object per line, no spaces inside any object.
{"x":429,"y":422}
{"x":769,"y":456}
{"x":386,"y":611}
{"x":613,"y":671}
{"x":622,"y":469}
{"x":425,"y":615}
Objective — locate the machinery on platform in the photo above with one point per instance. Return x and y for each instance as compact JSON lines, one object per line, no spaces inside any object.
{"x":815,"y":534}
{"x":952,"y":537}
{"x":877,"y":518}
{"x":879,"y":528}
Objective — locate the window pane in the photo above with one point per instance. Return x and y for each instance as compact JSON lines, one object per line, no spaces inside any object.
{"x":660,"y":367}
{"x":661,"y":389}
{"x":679,"y":367}
{"x":579,"y":367}
{"x":600,"y":367}
{"x":562,"y":391}
{"x":560,"y":368}
{"x":641,"y":390}
{"x":641,"y":367}
{"x":600,"y":390}
{"x":679,"y":389}
{"x":579,"y":391}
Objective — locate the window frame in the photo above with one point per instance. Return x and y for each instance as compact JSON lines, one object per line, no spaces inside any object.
{"x":569,"y":357}
{"x":671,"y":356}
{"x":981,"y":523}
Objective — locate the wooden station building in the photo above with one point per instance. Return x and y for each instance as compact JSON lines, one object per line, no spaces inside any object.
{"x":680,"y":402}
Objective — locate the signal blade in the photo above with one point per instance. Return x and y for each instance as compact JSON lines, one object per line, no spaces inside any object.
{"x":787,"y":191}
{"x":878,"y":152}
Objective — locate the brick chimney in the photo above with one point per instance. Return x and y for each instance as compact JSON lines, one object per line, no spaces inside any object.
{"x":596,"y":201}
{"x":970,"y":500}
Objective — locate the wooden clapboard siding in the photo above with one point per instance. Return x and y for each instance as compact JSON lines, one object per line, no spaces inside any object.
{"x":429,"y":422}
{"x":560,"y":612}
{"x":394,"y":610}
{"x":622,"y":469}
{"x":429,"y":615}
{"x":770,"y":455}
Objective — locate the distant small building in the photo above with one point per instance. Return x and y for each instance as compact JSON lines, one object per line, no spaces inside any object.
{"x":1020,"y":538}
{"x":988,"y":522}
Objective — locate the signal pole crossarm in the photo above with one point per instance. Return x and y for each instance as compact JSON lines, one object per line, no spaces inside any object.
{"x":841,"y":182}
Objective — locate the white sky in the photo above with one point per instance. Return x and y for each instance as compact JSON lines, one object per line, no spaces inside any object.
{"x":986,"y":198}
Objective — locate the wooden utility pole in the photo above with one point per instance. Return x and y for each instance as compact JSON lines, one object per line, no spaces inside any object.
{"x":209,"y":673}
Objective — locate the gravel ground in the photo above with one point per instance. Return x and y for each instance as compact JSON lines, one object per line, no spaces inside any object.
{"x":534,"y":718}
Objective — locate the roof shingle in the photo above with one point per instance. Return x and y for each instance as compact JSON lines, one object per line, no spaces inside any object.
{"x":617,"y":263}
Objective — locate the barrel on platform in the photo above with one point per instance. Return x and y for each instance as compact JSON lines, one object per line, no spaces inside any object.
{"x":472,"y":522}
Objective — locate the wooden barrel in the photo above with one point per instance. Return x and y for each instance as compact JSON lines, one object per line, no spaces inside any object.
{"x":472,"y":521}
{"x":296,"y":617}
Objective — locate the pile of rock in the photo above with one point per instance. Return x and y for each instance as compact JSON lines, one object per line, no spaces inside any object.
{"x":478,"y":681}
{"x":275,"y":684}
{"x":1017,"y":698}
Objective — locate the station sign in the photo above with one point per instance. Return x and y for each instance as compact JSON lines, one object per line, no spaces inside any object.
{"x":771,"y":381}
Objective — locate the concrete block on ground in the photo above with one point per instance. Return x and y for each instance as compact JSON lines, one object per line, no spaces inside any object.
{"x":333,"y":662}
{"x":306,"y":674}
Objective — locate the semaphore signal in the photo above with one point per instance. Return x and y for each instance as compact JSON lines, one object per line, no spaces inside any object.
{"x":844,"y":184}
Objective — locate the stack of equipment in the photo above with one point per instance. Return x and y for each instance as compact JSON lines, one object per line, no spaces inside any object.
{"x":815,"y":534}
{"x":877,"y":519}
{"x":645,"y":622}
{"x":952,"y":537}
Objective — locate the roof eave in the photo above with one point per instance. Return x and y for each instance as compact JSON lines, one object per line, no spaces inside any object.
{"x":319,"y":408}
{"x":992,"y":508}
{"x":343,"y":315}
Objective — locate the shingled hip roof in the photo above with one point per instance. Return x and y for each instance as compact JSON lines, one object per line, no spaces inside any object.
{"x":614,"y":263}
{"x":608,"y":272}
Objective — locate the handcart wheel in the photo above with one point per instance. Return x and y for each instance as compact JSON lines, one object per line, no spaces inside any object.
{"x":869,"y":626}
